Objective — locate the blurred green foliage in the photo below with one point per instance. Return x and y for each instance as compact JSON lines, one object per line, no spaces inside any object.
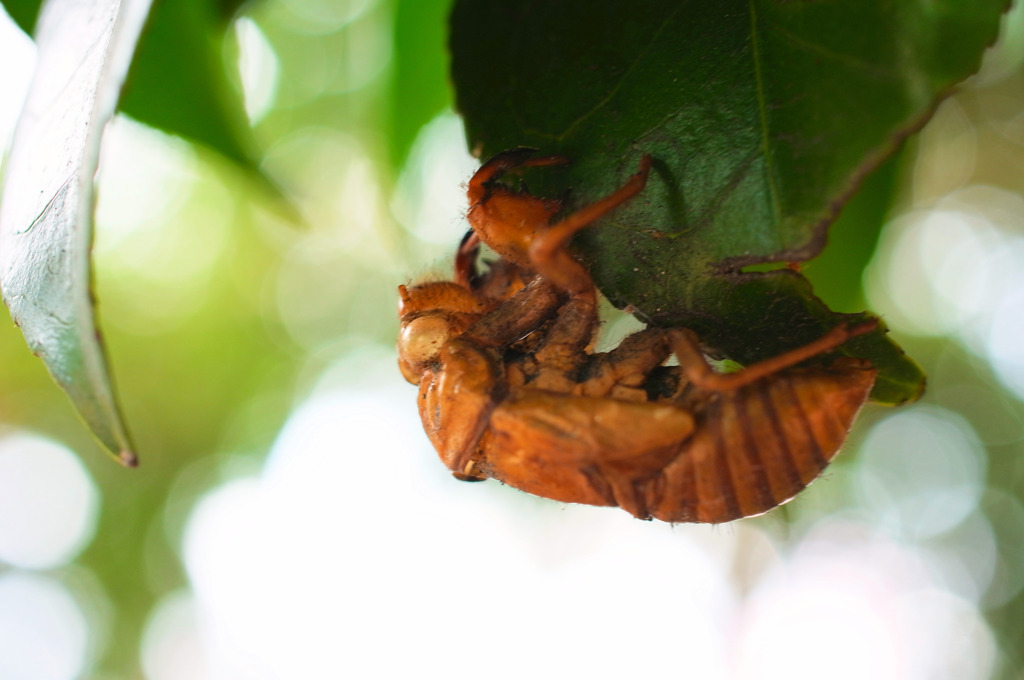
{"x":178,"y":82}
{"x":419,"y":83}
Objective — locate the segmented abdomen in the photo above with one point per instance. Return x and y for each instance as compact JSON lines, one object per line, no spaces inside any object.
{"x":757,"y":447}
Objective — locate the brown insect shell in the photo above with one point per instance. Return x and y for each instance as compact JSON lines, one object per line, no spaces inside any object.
{"x":439,"y":296}
{"x":508,"y":220}
{"x":708,"y":455}
{"x":431,"y":314}
{"x":724,"y":456}
{"x":757,"y":447}
{"x":456,"y":399}
{"x":576,"y":449}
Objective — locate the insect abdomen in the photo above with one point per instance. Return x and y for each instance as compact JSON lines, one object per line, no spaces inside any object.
{"x":757,"y":447}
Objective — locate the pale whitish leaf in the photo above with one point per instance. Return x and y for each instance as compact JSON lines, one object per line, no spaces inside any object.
{"x":46,"y":210}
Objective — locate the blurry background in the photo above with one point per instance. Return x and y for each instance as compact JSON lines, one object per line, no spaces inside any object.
{"x":290,"y":520}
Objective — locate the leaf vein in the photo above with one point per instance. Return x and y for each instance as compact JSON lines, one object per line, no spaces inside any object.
{"x":762,"y":108}
{"x":625,"y":76}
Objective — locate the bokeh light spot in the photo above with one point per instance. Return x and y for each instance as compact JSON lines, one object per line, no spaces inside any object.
{"x":43,"y":633}
{"x":258,"y":68}
{"x":948,"y":152}
{"x":921,"y":471}
{"x":346,"y":544}
{"x":318,"y":17}
{"x":48,"y":503}
{"x":964,"y":559}
{"x":171,"y":646}
{"x":955,"y":270}
{"x":334,"y":180}
{"x":18,"y":55}
{"x":929,"y":278}
{"x":1006,"y":517}
{"x":144,"y":179}
{"x":848,"y":604}
{"x":1005,"y":345}
{"x":161,"y":229}
{"x":430,"y":199}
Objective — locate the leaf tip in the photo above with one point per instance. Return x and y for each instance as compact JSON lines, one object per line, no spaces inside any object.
{"x":128,"y":458}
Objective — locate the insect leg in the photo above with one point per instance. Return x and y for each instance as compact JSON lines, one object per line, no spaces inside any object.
{"x":466,"y":274}
{"x":565,"y":347}
{"x":479,"y":185}
{"x":620,"y":372}
{"x":699,"y":373}
{"x":549,"y":251}
{"x":518,"y":316}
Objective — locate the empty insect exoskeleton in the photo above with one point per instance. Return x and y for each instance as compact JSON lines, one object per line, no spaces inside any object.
{"x":510,"y":389}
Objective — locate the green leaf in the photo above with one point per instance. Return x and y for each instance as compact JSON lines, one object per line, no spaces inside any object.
{"x":763,"y":117}
{"x":23,"y":13}
{"x":852,"y":239}
{"x":46,"y":210}
{"x":178,"y":82}
{"x":419,"y":88}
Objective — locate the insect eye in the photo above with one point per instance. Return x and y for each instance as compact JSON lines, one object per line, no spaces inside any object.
{"x":422,"y":338}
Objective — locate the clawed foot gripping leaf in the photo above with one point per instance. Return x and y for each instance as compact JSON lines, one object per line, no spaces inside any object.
{"x":763,"y":116}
